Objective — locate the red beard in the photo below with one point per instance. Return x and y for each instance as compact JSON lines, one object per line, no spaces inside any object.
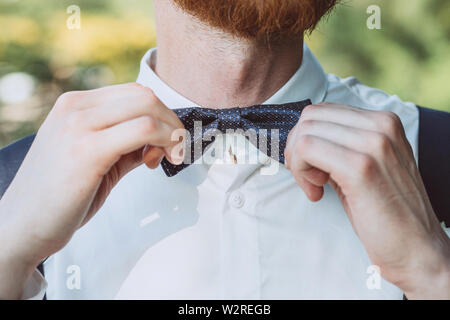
{"x":255,"y":19}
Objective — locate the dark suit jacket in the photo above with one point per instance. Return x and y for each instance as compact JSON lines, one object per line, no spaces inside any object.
{"x":434,"y":160}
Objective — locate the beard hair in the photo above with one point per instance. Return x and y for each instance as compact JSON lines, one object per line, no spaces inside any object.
{"x":259,"y":19}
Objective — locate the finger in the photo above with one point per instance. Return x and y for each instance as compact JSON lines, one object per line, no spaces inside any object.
{"x":311,"y":180}
{"x":379,"y":145}
{"x":343,"y":165}
{"x":383,"y":122}
{"x":316,"y":177}
{"x":81,"y":100}
{"x":314,"y":193}
{"x":380,"y":121}
{"x":126,"y":107}
{"x":108,"y":96}
{"x":153,"y":156}
{"x":134,"y":134}
{"x":129,"y":162}
{"x":161,"y":111}
{"x":313,"y":175}
{"x":290,"y":145}
{"x":360,"y":140}
{"x":340,"y":114}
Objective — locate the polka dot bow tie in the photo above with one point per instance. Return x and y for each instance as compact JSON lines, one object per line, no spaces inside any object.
{"x":265,"y":126}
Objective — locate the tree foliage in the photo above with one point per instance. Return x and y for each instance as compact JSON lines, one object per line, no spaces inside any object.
{"x":408,"y":56}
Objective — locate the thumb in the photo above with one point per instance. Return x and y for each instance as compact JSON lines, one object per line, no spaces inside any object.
{"x":129,"y":162}
{"x":152,"y":156}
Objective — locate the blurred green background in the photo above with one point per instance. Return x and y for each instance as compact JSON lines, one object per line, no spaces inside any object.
{"x":40,"y":57}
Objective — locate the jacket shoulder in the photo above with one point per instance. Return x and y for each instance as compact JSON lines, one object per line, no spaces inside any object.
{"x":434,"y":159}
{"x":11,"y":157}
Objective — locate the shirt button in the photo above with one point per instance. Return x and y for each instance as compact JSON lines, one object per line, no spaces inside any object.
{"x":237,"y":200}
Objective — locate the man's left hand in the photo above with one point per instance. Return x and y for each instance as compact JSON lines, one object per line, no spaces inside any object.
{"x":365,"y":156}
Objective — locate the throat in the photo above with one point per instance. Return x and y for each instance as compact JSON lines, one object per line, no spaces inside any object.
{"x":217,"y":70}
{"x":214,"y":78}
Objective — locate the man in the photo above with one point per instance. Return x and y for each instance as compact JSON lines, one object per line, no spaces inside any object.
{"x":348,"y":203}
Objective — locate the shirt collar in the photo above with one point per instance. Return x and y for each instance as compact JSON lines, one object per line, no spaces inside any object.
{"x":308,"y":82}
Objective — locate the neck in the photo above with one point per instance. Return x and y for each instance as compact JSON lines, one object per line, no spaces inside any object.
{"x":216,"y":70}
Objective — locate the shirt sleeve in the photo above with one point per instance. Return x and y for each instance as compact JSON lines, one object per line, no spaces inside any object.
{"x":35,"y":287}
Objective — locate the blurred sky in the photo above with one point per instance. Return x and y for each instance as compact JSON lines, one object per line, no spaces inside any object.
{"x":40,"y":57}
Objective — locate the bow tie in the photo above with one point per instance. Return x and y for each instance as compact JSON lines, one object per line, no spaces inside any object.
{"x":267,"y":123}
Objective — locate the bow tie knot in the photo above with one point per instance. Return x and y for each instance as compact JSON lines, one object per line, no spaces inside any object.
{"x":229,"y":118}
{"x":264,"y":120}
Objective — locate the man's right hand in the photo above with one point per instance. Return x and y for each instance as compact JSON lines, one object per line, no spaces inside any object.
{"x":88,"y":142}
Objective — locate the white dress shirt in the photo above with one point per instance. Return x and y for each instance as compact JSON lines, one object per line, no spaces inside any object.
{"x":224,"y":230}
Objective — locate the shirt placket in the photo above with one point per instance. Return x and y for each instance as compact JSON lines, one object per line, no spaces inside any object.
{"x":239,"y":234}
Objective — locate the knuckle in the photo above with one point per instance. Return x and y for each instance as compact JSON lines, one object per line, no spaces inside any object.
{"x":66,"y":100}
{"x":148,"y":125}
{"x":392,"y":116}
{"x":135,"y":85}
{"x":132,"y":86}
{"x":388,"y":122}
{"x":309,"y":109}
{"x":365,"y":166}
{"x":307,"y":125}
{"x":138,"y":88}
{"x":305,"y":142}
{"x":380,"y":143}
{"x":149,"y":96}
